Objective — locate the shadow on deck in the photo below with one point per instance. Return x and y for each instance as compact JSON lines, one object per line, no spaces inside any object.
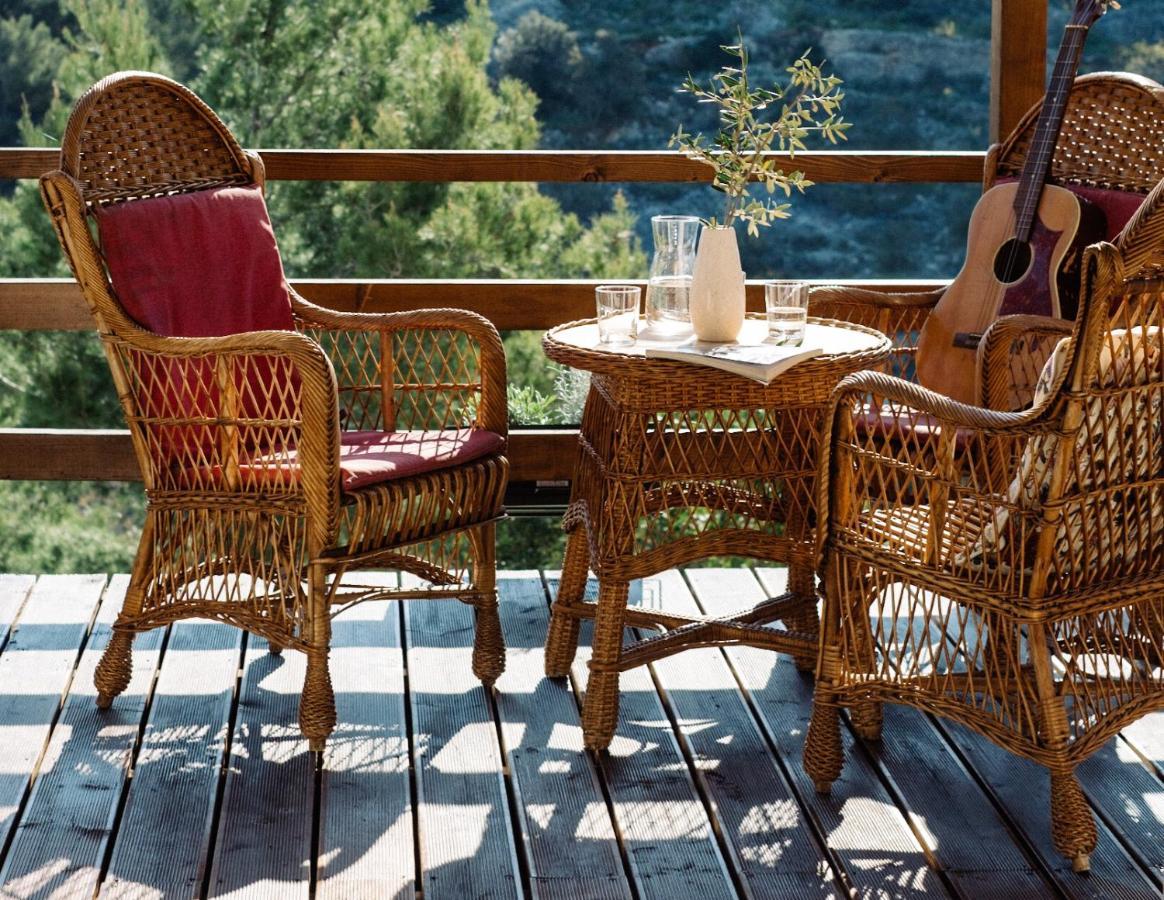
{"x":198,"y":782}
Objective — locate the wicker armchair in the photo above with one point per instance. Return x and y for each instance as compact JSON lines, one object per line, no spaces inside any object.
{"x":1109,"y":152}
{"x":283,"y":453}
{"x":1019,"y":588}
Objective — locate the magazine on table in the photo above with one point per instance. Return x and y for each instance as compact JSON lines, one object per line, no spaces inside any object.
{"x":749,"y":358}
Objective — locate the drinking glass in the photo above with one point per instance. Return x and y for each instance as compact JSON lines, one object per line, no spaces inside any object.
{"x":618,"y":313}
{"x":786,"y":305}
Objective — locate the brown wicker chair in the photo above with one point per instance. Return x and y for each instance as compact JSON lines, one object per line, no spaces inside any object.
{"x":275,"y":460}
{"x":1109,"y":149}
{"x":1018,"y":589}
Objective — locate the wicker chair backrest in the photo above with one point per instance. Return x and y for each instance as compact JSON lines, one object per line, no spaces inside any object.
{"x":1112,"y":137}
{"x":136,"y":134}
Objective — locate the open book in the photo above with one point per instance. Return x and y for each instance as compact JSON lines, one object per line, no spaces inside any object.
{"x":760,"y":362}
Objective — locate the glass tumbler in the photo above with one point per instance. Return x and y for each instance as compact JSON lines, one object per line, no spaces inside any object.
{"x":618,"y":313}
{"x":786,"y":306}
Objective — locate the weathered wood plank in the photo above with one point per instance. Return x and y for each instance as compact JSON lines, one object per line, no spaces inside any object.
{"x":771,"y":843}
{"x":846,"y":166}
{"x":60,"y":844}
{"x":1023,"y":789}
{"x":865,"y":831}
{"x":567,"y":834}
{"x":1126,"y":788}
{"x":56,"y":304}
{"x":366,"y":847}
{"x":14,"y":590}
{"x":942,"y":800}
{"x":36,"y":670}
{"x":264,"y":837}
{"x":667,"y":834}
{"x":467,"y":845}
{"x":176,"y":775}
{"x":82,"y":454}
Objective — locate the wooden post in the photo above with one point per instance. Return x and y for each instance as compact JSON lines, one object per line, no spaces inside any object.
{"x":1018,"y":61}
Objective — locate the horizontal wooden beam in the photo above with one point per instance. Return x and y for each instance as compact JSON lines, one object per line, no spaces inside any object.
{"x":838,"y":166}
{"x":52,"y":454}
{"x":55,"y":304}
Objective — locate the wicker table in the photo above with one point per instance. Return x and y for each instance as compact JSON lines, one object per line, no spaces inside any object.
{"x":678,"y":463}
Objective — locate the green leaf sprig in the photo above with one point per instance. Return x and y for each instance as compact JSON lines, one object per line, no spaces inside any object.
{"x":809,"y":101}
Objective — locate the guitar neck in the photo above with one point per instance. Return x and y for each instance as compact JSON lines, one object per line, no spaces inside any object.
{"x":1042,"y":149}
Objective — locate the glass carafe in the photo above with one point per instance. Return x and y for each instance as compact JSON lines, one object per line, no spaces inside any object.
{"x":669,"y":288}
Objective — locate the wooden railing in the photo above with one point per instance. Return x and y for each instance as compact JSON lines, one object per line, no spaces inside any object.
{"x":537,"y":455}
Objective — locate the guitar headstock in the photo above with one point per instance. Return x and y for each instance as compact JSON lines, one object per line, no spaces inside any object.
{"x":1088,"y":12}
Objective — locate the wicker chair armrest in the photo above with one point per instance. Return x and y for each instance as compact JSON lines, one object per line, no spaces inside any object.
{"x":490,"y":411}
{"x":160,"y":374}
{"x":1011,"y":356}
{"x":937,"y":408}
{"x":933,"y":488}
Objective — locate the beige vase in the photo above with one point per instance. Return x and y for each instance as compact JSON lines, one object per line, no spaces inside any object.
{"x":717,"y":286}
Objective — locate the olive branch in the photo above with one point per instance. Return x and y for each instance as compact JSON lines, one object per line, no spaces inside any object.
{"x":809,"y":101}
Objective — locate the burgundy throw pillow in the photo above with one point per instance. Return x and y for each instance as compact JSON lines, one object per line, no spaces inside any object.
{"x":197,"y":265}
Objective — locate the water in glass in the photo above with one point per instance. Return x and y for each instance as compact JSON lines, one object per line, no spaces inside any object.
{"x":786,"y":305}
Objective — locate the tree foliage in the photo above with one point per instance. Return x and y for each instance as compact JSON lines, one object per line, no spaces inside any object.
{"x":282,"y":73}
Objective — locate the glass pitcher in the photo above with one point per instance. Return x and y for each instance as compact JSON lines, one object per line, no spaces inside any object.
{"x":669,"y":287}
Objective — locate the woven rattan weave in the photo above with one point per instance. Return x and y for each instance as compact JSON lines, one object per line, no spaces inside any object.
{"x":1005,"y":567}
{"x":678,"y":463}
{"x":269,"y":554}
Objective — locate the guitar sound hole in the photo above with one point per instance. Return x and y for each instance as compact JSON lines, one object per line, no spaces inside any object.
{"x":1012,"y":261}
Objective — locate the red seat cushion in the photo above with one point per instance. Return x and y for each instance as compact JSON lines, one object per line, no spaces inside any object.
{"x":373,"y":457}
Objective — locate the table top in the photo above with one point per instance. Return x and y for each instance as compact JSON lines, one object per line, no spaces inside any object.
{"x":847,"y":348}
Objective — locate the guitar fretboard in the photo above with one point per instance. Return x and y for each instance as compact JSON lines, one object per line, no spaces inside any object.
{"x":1042,"y":149}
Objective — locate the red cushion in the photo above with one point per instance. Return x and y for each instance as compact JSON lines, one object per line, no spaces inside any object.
{"x":1117,"y":206}
{"x":200,"y":265}
{"x":372,"y":457}
{"x":197,"y":265}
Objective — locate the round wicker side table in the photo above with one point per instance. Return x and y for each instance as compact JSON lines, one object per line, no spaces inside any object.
{"x":677,"y":463}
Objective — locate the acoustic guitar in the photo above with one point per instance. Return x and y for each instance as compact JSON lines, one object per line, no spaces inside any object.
{"x":1020,"y":234}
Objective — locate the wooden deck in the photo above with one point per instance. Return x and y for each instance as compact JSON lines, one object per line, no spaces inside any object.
{"x":197,"y":781}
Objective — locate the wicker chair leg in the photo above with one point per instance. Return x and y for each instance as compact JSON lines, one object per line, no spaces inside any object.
{"x":562,"y":637}
{"x":802,"y":582}
{"x":600,"y":713}
{"x":1072,"y":822}
{"x":866,"y":716}
{"x":317,"y":715}
{"x":488,"y":642}
{"x":114,"y":670}
{"x":824,"y":756}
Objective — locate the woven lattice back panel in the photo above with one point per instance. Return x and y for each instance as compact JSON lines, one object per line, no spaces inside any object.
{"x":1112,"y":137}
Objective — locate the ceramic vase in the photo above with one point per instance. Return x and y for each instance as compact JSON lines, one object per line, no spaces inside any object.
{"x":717,"y":287}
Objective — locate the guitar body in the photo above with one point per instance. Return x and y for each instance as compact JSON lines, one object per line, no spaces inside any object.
{"x":1000,"y":277}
